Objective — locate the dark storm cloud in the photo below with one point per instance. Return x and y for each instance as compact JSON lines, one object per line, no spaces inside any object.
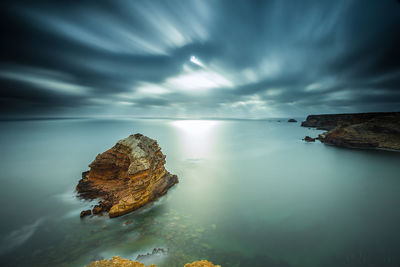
{"x":199,"y":58}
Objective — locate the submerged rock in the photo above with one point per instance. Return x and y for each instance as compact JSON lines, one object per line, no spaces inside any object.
{"x":364,"y":130}
{"x":127,"y":176}
{"x":292,"y":120}
{"x":121,"y":262}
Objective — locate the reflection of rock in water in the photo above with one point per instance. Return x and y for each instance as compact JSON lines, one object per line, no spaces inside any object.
{"x":156,"y":253}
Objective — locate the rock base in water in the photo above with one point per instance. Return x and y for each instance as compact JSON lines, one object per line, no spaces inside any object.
{"x":126,"y":177}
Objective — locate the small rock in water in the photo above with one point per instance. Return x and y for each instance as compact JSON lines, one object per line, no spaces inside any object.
{"x":85,"y":213}
{"x":97,"y":209}
{"x":292,"y":120}
{"x":309,"y":139}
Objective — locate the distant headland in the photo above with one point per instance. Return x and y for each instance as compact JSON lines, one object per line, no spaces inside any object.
{"x":379,"y":130}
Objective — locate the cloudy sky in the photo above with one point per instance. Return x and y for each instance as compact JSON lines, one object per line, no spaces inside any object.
{"x":199,"y":58}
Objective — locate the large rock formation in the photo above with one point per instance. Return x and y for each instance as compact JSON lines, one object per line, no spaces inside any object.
{"x":127,"y":176}
{"x":364,"y":130}
{"x":120,"y":262}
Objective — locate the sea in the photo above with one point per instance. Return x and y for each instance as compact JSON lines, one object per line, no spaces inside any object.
{"x":250,"y":193}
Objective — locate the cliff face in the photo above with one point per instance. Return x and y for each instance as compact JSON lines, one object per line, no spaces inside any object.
{"x":120,"y":262}
{"x":365,"y":130}
{"x":330,"y":121}
{"x":127,"y":176}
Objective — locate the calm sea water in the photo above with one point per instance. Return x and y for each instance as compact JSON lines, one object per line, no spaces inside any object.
{"x":251,"y":193}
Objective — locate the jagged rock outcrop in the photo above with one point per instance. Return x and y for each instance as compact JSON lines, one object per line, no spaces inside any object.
{"x":127,"y":176}
{"x":121,"y":262}
{"x":365,"y":130}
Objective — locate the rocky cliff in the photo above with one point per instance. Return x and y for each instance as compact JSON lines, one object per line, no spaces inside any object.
{"x":330,"y":121}
{"x":126,"y":177}
{"x":120,"y":262}
{"x":364,"y":130}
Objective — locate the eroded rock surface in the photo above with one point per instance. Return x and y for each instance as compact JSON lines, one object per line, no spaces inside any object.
{"x":120,"y":262}
{"x":127,"y":176}
{"x":364,"y":130}
{"x":202,"y":263}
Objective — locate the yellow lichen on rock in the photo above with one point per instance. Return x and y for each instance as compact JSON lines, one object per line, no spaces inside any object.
{"x":121,"y":262}
{"x":202,"y":263}
{"x":118,"y":262}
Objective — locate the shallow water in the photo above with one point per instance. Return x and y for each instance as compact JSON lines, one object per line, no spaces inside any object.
{"x":251,"y":193}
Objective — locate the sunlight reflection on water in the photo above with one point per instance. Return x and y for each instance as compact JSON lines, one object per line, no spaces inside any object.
{"x":197,"y":137}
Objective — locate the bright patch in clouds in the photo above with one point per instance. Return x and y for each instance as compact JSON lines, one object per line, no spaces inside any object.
{"x":198,"y":80}
{"x":254,"y":102}
{"x":196,"y":61}
{"x":153,"y":89}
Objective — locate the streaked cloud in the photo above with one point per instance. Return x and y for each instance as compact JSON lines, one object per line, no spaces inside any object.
{"x":199,"y":58}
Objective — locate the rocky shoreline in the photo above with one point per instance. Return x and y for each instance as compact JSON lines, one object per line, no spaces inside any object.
{"x":361,"y":130}
{"x":126,"y":177}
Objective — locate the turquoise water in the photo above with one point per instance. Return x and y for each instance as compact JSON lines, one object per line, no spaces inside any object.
{"x":251,"y":193}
